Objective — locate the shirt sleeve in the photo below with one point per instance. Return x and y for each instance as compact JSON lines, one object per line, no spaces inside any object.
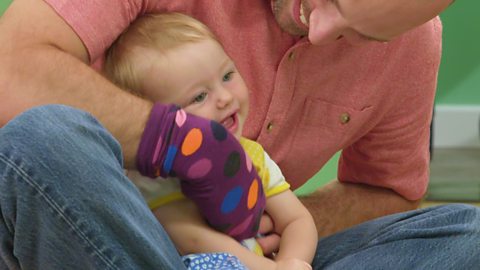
{"x":273,"y":181}
{"x":276,"y":182}
{"x":395,"y":153}
{"x":98,"y":23}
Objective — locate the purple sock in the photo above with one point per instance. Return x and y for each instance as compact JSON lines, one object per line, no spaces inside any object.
{"x":215,"y":172}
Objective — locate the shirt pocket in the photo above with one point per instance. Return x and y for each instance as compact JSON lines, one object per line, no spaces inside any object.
{"x":332,"y":126}
{"x":340,"y":118}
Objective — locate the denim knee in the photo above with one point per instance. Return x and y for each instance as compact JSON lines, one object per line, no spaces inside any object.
{"x":469,"y":215}
{"x":56,"y":132}
{"x":66,"y":202}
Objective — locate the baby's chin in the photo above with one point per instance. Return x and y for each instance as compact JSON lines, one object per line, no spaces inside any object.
{"x":238,"y":135}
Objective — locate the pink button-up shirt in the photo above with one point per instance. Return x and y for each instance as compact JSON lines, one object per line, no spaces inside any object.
{"x":374,"y":101}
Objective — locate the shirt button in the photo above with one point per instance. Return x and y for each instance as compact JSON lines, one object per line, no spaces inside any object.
{"x":269,"y":127}
{"x":291,"y":56}
{"x":344,"y":118}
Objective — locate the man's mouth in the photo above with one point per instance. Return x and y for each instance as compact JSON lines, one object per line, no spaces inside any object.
{"x":292,"y":16}
{"x":302,"y":15}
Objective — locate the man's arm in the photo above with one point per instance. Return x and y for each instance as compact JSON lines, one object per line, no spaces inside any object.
{"x":330,"y":205}
{"x":44,"y":62}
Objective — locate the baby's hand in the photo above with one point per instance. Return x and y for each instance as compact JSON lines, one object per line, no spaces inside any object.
{"x":292,"y":264}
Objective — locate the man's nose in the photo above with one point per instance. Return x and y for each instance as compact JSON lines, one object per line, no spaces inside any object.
{"x":325,"y":26}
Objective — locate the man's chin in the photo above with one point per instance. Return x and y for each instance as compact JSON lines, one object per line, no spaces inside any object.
{"x":290,"y":27}
{"x":287,"y":24}
{"x":295,"y":31}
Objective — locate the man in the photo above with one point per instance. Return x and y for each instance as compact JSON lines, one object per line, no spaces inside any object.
{"x":371,"y":99}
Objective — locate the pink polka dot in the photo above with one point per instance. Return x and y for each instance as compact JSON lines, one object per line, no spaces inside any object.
{"x":249,"y":162}
{"x":157,"y":150}
{"x":199,"y":169}
{"x":180,"y":118}
{"x":240,"y":228}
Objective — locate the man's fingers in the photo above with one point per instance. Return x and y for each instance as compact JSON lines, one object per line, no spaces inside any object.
{"x":266,"y":225}
{"x":269,"y":244}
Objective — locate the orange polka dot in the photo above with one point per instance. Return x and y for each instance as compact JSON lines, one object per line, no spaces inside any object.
{"x":192,"y":142}
{"x":252,"y":194}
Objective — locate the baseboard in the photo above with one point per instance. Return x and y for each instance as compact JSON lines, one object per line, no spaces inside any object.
{"x":456,"y":126}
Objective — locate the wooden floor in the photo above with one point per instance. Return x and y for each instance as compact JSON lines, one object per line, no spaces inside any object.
{"x":454,"y":176}
{"x":428,"y":203}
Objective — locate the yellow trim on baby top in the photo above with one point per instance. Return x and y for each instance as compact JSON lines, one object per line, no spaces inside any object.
{"x":252,"y":245}
{"x":259,"y":158}
{"x":159,"y":201}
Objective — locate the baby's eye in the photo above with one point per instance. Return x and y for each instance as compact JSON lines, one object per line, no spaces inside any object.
{"x":228,"y":76}
{"x":200,"y":98}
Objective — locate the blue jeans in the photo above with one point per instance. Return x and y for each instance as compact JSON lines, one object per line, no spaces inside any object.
{"x":66,"y":204}
{"x":442,"y":237}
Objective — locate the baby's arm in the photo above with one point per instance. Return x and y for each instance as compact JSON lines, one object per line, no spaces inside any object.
{"x":295,"y":225}
{"x":191,"y":234}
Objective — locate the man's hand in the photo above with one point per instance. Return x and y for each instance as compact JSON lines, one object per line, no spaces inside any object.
{"x":270,"y":241}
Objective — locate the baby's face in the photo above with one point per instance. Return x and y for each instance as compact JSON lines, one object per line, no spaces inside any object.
{"x":203,"y":80}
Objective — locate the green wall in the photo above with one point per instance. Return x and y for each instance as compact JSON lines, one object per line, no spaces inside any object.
{"x":459,"y":78}
{"x":3,"y":5}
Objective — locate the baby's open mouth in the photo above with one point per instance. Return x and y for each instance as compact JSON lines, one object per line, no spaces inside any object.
{"x":231,"y":122}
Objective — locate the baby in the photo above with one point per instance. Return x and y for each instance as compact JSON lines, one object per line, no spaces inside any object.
{"x":173,"y":58}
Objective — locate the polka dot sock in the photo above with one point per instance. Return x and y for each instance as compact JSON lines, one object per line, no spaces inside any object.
{"x":214,"y":170}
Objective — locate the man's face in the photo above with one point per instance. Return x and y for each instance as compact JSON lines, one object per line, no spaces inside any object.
{"x":325,"y":21}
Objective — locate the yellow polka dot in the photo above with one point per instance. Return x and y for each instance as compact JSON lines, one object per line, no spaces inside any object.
{"x":192,"y":142}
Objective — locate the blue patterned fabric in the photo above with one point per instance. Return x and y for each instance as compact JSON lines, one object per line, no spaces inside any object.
{"x":213,"y":261}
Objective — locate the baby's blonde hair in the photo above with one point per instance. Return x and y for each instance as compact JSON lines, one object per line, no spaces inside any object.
{"x":160,"y":32}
